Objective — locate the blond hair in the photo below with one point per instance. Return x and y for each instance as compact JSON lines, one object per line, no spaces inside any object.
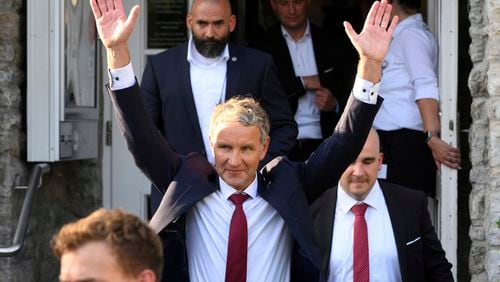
{"x":247,"y":111}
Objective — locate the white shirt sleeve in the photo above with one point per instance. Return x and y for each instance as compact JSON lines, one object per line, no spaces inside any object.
{"x":418,"y":50}
{"x":121,"y":78}
{"x":365,"y":91}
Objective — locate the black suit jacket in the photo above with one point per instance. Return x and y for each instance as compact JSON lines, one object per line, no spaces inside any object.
{"x":285,"y":185}
{"x":333,"y":70}
{"x":422,"y":260}
{"x":168,"y":96}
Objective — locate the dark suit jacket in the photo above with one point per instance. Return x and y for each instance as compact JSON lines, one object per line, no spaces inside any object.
{"x":285,"y":185}
{"x":424,"y":260}
{"x":333,"y":73}
{"x":168,"y":96}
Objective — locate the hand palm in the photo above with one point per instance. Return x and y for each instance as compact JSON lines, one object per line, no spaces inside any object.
{"x":113,"y":25}
{"x":372,"y":42}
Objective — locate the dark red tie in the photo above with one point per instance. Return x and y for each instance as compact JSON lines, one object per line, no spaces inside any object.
{"x":236,"y":265}
{"x":360,"y":263}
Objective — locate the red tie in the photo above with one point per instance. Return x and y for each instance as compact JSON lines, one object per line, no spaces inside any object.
{"x":361,"y":266}
{"x":236,"y":265}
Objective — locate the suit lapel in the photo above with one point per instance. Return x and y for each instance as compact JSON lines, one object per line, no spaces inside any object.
{"x":186,"y":90}
{"x":324,"y":224}
{"x":195,"y":180}
{"x":396,"y":213}
{"x":233,"y":72}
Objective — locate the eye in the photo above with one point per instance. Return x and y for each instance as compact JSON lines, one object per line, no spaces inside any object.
{"x":368,"y":161}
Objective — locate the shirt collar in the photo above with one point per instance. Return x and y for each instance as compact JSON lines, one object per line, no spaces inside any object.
{"x":195,"y":58}
{"x":374,"y":199}
{"x":411,"y":20}
{"x":227,"y":190}
{"x":307,"y":33}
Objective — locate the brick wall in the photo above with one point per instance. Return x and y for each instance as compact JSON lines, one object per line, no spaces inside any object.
{"x":484,"y":83}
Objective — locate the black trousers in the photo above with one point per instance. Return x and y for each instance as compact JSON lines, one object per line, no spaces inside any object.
{"x":409,"y":160}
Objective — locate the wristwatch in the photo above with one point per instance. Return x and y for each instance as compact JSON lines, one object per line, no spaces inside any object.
{"x":429,"y":134}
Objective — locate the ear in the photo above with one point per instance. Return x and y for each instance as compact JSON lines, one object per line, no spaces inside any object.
{"x":265,"y":147}
{"x":380,"y":159}
{"x":147,"y":275}
{"x":189,"y":21}
{"x":232,"y":23}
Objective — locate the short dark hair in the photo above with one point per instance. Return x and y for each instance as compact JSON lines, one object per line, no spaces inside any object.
{"x":409,"y":4}
{"x":135,"y":246}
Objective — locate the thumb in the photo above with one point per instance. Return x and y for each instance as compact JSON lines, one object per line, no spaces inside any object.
{"x":132,"y":17}
{"x":350,"y":32}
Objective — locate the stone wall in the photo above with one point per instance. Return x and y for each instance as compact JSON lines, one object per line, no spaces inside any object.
{"x":71,"y":190}
{"x":484,"y":83}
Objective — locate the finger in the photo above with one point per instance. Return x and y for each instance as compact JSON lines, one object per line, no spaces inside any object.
{"x":95,"y":9}
{"x":118,"y":5}
{"x":132,"y":17}
{"x":394,"y":22}
{"x":102,"y":6}
{"x":110,"y":5}
{"x":350,"y":32}
{"x":386,"y":17}
{"x":380,"y":13}
{"x":370,"y":18}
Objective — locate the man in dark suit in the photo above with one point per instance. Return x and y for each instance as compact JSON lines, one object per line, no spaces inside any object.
{"x":182,"y":85}
{"x":401,"y":242}
{"x":268,"y":219}
{"x":316,"y":77}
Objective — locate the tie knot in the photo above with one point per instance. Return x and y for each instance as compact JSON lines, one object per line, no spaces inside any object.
{"x":238,"y":199}
{"x":359,"y":210}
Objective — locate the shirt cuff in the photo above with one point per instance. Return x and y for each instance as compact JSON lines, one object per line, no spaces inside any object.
{"x":121,"y":78}
{"x":365,"y":91}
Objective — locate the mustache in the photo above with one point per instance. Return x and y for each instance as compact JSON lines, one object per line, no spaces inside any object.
{"x":356,"y":178}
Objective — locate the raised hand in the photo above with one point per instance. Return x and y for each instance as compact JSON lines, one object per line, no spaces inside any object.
{"x":373,"y":41}
{"x":114,"y":29}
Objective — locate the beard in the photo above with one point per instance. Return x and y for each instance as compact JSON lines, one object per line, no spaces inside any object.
{"x":210,"y":47}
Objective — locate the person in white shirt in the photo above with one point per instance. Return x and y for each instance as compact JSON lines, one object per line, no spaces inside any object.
{"x":182,"y":85}
{"x":400,"y":243}
{"x":316,"y":77}
{"x":408,"y":122}
{"x":228,"y":221}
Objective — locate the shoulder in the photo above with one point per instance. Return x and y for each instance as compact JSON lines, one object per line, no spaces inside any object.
{"x":248,"y":53}
{"x":170,"y":53}
{"x":402,"y":193}
{"x":325,"y":200}
{"x":266,"y":38}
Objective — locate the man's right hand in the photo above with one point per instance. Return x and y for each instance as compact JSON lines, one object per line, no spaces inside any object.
{"x":114,"y":29}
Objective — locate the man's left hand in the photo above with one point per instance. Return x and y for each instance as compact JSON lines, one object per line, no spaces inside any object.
{"x":325,"y":100}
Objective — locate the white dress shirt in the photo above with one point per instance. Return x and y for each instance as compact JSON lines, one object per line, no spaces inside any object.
{"x":383,"y":255}
{"x":207,"y":226}
{"x":304,"y":64}
{"x":408,"y":74}
{"x":207,"y":231}
{"x":208,"y":82}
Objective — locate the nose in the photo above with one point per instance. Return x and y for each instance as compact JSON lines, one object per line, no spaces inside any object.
{"x":357,"y":169}
{"x":291,"y":7}
{"x":234,"y":158}
{"x":210,"y":31}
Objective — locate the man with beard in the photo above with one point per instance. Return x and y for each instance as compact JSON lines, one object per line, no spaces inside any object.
{"x":182,"y":85}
